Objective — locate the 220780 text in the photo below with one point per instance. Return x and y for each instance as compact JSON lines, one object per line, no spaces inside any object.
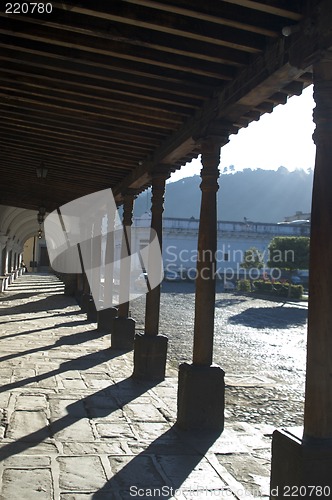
{"x":28,"y":8}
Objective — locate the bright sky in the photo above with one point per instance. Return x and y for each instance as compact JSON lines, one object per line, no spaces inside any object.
{"x":281,"y":138}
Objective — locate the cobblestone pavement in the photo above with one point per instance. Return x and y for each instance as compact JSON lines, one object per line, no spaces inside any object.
{"x":261,"y":345}
{"x":74,"y":425}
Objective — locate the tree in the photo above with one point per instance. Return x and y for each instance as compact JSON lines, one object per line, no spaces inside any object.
{"x":252,"y":259}
{"x":289,"y":252}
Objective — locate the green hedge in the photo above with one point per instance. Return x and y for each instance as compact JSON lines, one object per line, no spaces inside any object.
{"x":277,"y":289}
{"x":243,"y":286}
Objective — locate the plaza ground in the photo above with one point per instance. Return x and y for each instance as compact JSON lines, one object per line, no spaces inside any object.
{"x":75,"y":425}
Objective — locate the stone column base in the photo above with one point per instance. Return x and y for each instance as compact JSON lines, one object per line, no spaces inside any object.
{"x":105,"y":319}
{"x":84,"y":304}
{"x":150,"y":354}
{"x":69,"y":281}
{"x":298,"y":468}
{"x":91,"y":313}
{"x":123,"y":334}
{"x":201,"y":397}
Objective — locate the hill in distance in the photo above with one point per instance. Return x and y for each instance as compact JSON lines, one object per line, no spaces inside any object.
{"x":259,"y":195}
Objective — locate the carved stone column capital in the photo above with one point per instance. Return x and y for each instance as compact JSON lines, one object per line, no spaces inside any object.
{"x":128,"y":202}
{"x":322,"y":114}
{"x":3,"y":239}
{"x":159,"y":176}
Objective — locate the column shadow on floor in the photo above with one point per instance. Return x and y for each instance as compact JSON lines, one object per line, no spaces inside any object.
{"x":165,"y":463}
{"x":122,"y":392}
{"x":67,"y":313}
{"x":271,"y":317}
{"x":55,"y":301}
{"x":73,"y":339}
{"x":68,"y":324}
{"x":162,"y":468}
{"x":82,"y":363}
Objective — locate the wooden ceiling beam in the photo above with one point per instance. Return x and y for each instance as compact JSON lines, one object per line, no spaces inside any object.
{"x":47,"y":148}
{"x":113,"y":145}
{"x":32,"y":132}
{"x":60,"y":169}
{"x":133,"y":134}
{"x":122,"y":40}
{"x":88,"y":102}
{"x":252,"y":86}
{"x":59,"y":109}
{"x":20,"y":78}
{"x":267,"y":8}
{"x":77,"y":68}
{"x":142,"y":17}
{"x":222,"y":18}
{"x":58,"y":36}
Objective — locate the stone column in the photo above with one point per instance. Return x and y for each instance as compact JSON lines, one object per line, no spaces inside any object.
{"x":79,"y":289}
{"x":307,"y":460}
{"x":201,"y":384}
{"x":123,"y":326}
{"x":150,"y":349}
{"x":94,"y":248}
{"x":3,"y":262}
{"x":9,"y":261}
{"x":69,"y":280}
{"x":3,"y":241}
{"x":107,"y":314}
{"x":318,"y":393}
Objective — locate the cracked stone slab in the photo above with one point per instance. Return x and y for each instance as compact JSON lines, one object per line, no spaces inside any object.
{"x":187,"y":471}
{"x":28,"y":462}
{"x":81,"y":473}
{"x":108,"y":447}
{"x":115,"y":430}
{"x":71,"y":429}
{"x":143,"y":412}
{"x":248,"y":380}
{"x":60,"y":407}
{"x":27,"y":484}
{"x":31,"y":402}
{"x":138,"y":471}
{"x":28,"y":425}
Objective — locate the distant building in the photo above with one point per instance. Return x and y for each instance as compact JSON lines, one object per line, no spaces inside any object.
{"x":299,"y":216}
{"x":234,"y":238}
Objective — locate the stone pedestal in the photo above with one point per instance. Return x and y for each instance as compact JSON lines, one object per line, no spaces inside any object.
{"x":105,"y":319}
{"x":150,"y":357}
{"x":84,"y":303}
{"x":91,"y":313}
{"x":300,"y":468}
{"x":123,"y":334}
{"x":69,"y":281}
{"x":201,"y":398}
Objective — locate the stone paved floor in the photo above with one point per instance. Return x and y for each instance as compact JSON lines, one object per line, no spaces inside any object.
{"x":74,"y":425}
